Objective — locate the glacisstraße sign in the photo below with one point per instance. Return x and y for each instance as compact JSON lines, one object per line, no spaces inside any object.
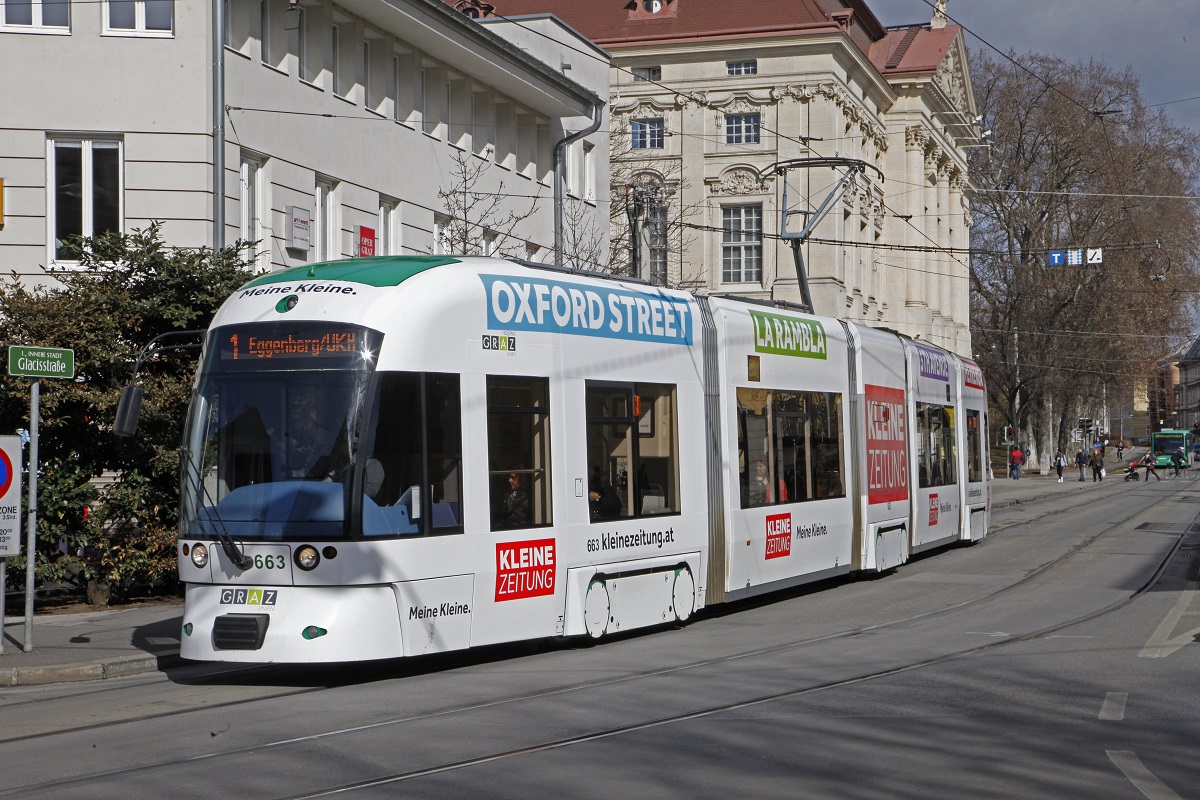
{"x":31,"y":361}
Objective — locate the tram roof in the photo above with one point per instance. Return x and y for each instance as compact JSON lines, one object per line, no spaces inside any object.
{"x":372,"y":271}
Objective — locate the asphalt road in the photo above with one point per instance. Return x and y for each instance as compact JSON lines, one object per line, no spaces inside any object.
{"x":1055,"y":659}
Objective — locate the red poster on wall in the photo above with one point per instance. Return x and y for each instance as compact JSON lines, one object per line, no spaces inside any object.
{"x":887,"y":443}
{"x":366,"y":241}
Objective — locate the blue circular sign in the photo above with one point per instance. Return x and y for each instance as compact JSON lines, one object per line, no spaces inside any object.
{"x":6,"y":473}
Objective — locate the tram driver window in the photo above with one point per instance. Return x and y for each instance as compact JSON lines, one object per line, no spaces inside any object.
{"x":790,"y":446}
{"x":412,"y":459}
{"x":936,"y":454}
{"x":633,"y":451}
{"x":518,"y":420}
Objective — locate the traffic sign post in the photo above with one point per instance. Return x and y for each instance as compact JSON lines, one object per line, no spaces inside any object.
{"x":35,"y":361}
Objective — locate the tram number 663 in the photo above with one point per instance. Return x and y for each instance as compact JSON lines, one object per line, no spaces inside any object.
{"x":593,"y":545}
{"x":269,"y":562}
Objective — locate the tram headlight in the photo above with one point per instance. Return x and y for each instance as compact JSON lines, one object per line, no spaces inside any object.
{"x":307,"y":557}
{"x":200,"y":555}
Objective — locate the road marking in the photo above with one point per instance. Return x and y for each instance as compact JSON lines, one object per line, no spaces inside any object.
{"x":1114,"y":706}
{"x":1161,"y":644}
{"x":1142,"y":779}
{"x":988,"y":633}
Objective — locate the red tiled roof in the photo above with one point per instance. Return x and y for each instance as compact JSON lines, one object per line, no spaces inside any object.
{"x":913,"y":49}
{"x":613,"y":23}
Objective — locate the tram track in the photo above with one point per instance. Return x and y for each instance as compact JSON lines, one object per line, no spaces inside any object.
{"x":1129,"y":512}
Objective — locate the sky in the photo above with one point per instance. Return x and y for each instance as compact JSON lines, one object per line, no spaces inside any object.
{"x":1159,"y":39}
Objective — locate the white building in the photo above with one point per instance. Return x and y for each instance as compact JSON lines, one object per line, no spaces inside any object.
{"x":341,"y":124}
{"x":708,"y":94}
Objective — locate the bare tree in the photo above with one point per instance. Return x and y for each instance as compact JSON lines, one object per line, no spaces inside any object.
{"x":647,"y":193}
{"x":1066,"y":174}
{"x":482,"y":219}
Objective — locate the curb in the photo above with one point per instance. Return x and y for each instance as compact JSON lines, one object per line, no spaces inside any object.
{"x":89,"y":670}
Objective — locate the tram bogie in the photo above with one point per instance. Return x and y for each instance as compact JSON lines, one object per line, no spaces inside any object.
{"x":398,"y":456}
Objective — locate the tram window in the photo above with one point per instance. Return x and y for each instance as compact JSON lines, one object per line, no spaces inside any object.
{"x":633,"y":451}
{"x":936,"y":453}
{"x":518,"y":452}
{"x":412,"y":463}
{"x":790,"y":446}
{"x":974,"y":448}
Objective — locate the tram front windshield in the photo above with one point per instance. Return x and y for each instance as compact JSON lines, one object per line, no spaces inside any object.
{"x":272,"y":437}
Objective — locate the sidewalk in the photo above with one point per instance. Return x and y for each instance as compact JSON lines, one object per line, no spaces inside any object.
{"x":92,"y":645}
{"x":124,"y":641}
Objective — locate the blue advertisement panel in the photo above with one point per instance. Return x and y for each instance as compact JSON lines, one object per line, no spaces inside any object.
{"x":549,"y":306}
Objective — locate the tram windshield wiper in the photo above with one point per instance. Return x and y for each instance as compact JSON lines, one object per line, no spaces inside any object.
{"x":229,"y":545}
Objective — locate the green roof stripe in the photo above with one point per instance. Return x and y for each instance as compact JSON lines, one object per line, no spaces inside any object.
{"x":377,"y":271}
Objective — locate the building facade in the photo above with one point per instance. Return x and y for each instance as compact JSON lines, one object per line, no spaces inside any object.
{"x":710,"y":97}
{"x":352,"y":128}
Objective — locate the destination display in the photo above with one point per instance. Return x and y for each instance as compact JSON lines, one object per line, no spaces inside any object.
{"x":321,"y":345}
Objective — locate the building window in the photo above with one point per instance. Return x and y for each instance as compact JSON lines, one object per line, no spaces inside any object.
{"x":642,"y":74}
{"x":148,"y":17}
{"x":741,"y":244}
{"x":441,"y":235}
{"x":646,"y":133}
{"x":302,"y":65}
{"x":86,"y":192}
{"x":335,"y":59}
{"x":589,"y":172}
{"x":386,"y":229}
{"x":325,"y":228}
{"x":741,"y":67}
{"x":741,"y":128}
{"x":251,"y":202}
{"x":518,"y":420}
{"x":35,"y":14}
{"x":366,"y":72}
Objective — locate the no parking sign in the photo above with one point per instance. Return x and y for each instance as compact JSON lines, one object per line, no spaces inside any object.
{"x":10,"y":495}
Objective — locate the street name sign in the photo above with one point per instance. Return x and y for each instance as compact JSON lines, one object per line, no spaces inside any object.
{"x":41,"y":362}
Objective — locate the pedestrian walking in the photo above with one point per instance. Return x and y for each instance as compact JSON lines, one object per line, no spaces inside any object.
{"x":1151,"y":465}
{"x":1096,"y":462}
{"x":1060,"y":462}
{"x":1015,"y":459}
{"x":1121,"y":450}
{"x":1081,"y":461}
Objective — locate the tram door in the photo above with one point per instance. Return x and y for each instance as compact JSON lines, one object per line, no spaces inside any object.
{"x":936,"y":461}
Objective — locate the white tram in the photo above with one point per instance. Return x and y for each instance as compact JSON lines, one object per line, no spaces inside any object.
{"x":403,"y":455}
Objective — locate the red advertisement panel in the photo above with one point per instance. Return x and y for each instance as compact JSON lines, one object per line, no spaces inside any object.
{"x":366,"y":241}
{"x":524,"y":569}
{"x":779,"y":535}
{"x":887,"y":443}
{"x":933,"y":510}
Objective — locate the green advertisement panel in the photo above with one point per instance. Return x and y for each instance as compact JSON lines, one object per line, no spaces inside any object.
{"x":788,"y":336}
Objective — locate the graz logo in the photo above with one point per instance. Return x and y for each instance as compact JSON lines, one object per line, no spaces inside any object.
{"x":249,"y":597}
{"x":492,"y":342}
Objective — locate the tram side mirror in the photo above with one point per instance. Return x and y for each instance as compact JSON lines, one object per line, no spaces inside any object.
{"x":128,"y":411}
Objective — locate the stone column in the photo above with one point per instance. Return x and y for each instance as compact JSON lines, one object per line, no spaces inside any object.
{"x":915,"y":140}
{"x":930,"y":261}
{"x":948,"y":267}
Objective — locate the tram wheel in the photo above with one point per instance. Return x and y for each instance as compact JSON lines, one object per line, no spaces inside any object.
{"x":683,"y":596}
{"x":597,"y":608}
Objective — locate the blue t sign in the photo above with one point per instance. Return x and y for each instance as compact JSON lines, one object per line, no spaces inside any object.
{"x":1058,"y":258}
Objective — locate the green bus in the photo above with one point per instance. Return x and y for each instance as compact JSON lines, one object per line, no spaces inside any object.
{"x":1165,"y":442}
